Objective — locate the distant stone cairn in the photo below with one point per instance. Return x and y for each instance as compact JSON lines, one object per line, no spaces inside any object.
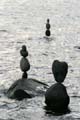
{"x":48,"y":33}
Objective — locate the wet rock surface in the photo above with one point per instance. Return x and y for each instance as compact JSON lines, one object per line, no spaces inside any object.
{"x":30,"y":86}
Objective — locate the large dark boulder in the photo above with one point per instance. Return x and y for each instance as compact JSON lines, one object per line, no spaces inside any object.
{"x":56,"y":98}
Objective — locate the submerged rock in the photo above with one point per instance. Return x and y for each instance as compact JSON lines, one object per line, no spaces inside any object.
{"x":21,"y":94}
{"x":24,"y":64}
{"x":31,"y":86}
{"x":24,"y":51}
{"x":57,"y":98}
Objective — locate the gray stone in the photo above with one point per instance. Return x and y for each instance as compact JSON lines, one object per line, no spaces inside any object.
{"x":23,"y":51}
{"x":59,"y":70}
{"x":24,"y":64}
{"x":56,"y":98}
{"x":31,"y":86}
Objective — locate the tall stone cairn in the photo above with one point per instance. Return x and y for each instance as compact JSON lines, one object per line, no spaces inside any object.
{"x":24,"y":63}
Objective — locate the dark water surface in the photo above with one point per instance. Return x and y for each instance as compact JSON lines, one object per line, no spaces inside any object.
{"x":23,"y":22}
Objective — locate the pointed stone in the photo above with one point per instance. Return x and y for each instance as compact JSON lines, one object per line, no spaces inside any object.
{"x":59,"y":70}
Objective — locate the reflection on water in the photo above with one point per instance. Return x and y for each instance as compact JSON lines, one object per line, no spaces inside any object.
{"x":23,"y":22}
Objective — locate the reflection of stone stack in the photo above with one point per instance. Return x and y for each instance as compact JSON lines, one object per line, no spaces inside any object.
{"x":24,"y":63}
{"x":56,"y":96}
{"x":48,"y":33}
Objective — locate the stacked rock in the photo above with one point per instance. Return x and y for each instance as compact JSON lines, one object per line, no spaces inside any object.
{"x":24,"y":63}
{"x":25,"y":87}
{"x":56,"y":96}
{"x":48,"y":33}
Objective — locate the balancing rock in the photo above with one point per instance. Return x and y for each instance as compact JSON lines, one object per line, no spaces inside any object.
{"x":56,"y":97}
{"x":23,"y":51}
{"x":59,"y":70}
{"x":25,"y":87}
{"x":24,"y":64}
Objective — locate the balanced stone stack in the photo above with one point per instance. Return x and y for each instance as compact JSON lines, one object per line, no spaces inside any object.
{"x":56,"y":96}
{"x":20,"y":94}
{"x":48,"y":33}
{"x":25,"y":87}
{"x":24,"y":63}
{"x":17,"y":89}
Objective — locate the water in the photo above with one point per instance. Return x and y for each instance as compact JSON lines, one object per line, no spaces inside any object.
{"x":23,"y":22}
